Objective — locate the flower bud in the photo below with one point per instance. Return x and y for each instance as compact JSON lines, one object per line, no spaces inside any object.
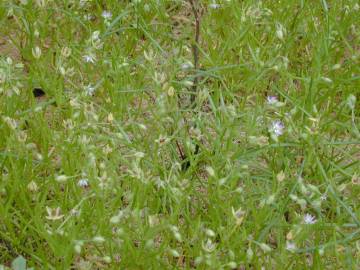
{"x":36,"y":52}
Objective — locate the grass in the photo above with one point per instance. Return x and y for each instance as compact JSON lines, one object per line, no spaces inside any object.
{"x":130,"y":157}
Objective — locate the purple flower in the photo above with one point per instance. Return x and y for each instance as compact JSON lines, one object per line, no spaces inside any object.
{"x":277,"y":127}
{"x":309,"y":219}
{"x":107,"y":15}
{"x":89,"y":58}
{"x":271,"y":100}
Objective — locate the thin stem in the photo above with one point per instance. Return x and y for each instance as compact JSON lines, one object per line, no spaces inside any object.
{"x":195,"y":48}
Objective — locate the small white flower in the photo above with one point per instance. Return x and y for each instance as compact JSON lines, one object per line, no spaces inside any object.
{"x":61,"y":178}
{"x":186,"y":66}
{"x":89,"y":58}
{"x":98,"y":239}
{"x":95,"y":35}
{"x":32,"y":186}
{"x":210,"y":233}
{"x":351,"y":101}
{"x":84,"y":182}
{"x":89,"y":90}
{"x":209,"y":246}
{"x":115,"y":219}
{"x":266,"y":248}
{"x":279,"y":34}
{"x":88,"y":17}
{"x":309,"y":219}
{"x":326,"y":79}
{"x":210,"y":171}
{"x":53,"y":214}
{"x":271,"y":100}
{"x":249,"y":254}
{"x":277,"y":127}
{"x":174,"y":253}
{"x":177,"y":236}
{"x":139,"y":154}
{"x":107,"y":15}
{"x":214,"y":6}
{"x":323,"y":197}
{"x":74,"y":212}
{"x":290,"y":246}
